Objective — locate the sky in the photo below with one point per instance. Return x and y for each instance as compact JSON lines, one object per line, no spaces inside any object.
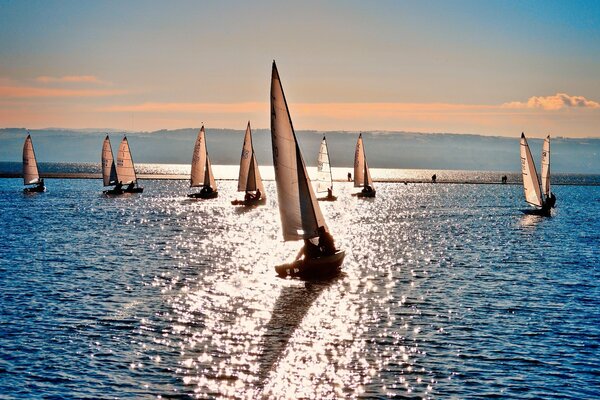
{"x":477,"y":67}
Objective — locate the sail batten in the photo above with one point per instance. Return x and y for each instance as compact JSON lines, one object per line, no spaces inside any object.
{"x":125,"y":168}
{"x":31,"y":174}
{"x":300,"y":214}
{"x":531,"y":183}
{"x":324,"y":177}
{"x":546,"y":167}
{"x":109,"y":171}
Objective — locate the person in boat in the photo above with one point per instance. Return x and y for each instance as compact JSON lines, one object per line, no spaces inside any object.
{"x":329,"y":193}
{"x":309,"y":250}
{"x":130,"y":186}
{"x":257,"y":194}
{"x":326,"y":242}
{"x":206,"y":190}
{"x":248,"y":196}
{"x":433,"y":178}
{"x":118,"y":186}
{"x":551,"y":201}
{"x":40,"y":184}
{"x":367,"y":189}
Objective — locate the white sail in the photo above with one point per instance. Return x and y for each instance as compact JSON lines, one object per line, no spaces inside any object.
{"x":109,"y":171}
{"x":531,"y":183}
{"x":249,"y":178}
{"x":125,"y":167}
{"x":201,"y":174}
{"x":546,"y":167}
{"x":300,"y":213}
{"x":30,"y":169}
{"x":362,"y":176}
{"x":324,"y":178}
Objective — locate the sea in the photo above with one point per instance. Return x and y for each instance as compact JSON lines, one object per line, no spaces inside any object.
{"x":448,"y":291}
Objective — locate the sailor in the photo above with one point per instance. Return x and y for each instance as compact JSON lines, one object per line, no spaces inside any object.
{"x":248,"y":196}
{"x":309,"y":250}
{"x":130,"y":186}
{"x":368,"y":189}
{"x":326,"y":242}
{"x":257,"y":194}
{"x":40,"y":184}
{"x":119,"y":186}
{"x":551,"y":200}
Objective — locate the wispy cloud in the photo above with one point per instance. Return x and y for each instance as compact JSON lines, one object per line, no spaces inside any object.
{"x":72,"y":79}
{"x":226,"y":108}
{"x":35,"y":92}
{"x":555,"y":102}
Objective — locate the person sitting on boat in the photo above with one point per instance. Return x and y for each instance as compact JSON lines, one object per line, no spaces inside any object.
{"x":309,"y":250}
{"x":206,"y":190}
{"x":130,"y":186}
{"x":257,"y":194}
{"x":248,"y":196}
{"x":118,"y":186}
{"x":326,"y":242}
{"x":551,"y":201}
{"x":40,"y":184}
{"x":329,"y":193}
{"x":368,"y":189}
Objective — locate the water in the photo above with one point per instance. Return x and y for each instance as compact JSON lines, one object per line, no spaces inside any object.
{"x":448,"y":291}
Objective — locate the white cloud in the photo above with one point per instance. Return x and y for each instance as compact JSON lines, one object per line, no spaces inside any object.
{"x":555,"y":102}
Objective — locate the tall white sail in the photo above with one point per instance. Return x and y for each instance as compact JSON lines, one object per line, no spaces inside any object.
{"x":109,"y":171}
{"x":531,"y":183}
{"x":324,"y":178}
{"x":125,"y":168}
{"x":362,"y":176}
{"x":201,"y":169}
{"x":249,"y":178}
{"x":30,"y":169}
{"x":546,"y":167}
{"x":300,"y":213}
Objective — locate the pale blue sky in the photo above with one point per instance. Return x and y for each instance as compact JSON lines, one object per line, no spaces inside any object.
{"x":190,"y":54}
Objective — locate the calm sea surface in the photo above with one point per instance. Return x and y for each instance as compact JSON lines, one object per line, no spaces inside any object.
{"x":447,"y":291}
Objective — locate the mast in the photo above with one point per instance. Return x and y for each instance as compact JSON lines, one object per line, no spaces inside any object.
{"x":30,"y":169}
{"x":546,"y":167}
{"x":300,"y":214}
{"x":531,"y":183}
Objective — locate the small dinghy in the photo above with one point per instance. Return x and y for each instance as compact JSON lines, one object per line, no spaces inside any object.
{"x":201,"y":175}
{"x":539,"y":196}
{"x":126,"y":169}
{"x":31,"y":174}
{"x":324,"y":177}
{"x":362,"y":176}
{"x":301,"y":217}
{"x":249,"y":180}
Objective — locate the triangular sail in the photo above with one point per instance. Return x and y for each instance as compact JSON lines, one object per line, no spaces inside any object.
{"x":201,"y":174}
{"x":300,"y":213}
{"x":362,"y":176}
{"x":125,"y":168}
{"x":109,"y":171}
{"x":546,"y":167}
{"x":30,"y":169}
{"x":249,"y":178}
{"x":324,"y":178}
{"x":531,"y":183}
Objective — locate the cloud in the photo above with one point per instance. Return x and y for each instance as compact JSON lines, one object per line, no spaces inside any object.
{"x":15,"y":91}
{"x":555,"y":102}
{"x":72,"y":79}
{"x":226,"y":108}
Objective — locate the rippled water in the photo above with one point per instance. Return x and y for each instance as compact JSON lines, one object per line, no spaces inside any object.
{"x":447,"y":291}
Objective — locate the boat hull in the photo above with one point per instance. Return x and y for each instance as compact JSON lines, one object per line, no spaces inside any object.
{"x":537,"y":211}
{"x":327,"y":198}
{"x":249,"y":203}
{"x":134,"y":190}
{"x":313,"y":268}
{"x":365,"y":194}
{"x":201,"y":195}
{"x":35,"y":189}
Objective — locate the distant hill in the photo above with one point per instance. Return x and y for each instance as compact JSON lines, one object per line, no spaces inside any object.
{"x":384,"y":149}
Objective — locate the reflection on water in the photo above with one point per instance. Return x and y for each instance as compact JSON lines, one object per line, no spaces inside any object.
{"x":446,"y":291}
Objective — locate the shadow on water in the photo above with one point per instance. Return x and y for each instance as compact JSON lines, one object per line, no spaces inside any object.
{"x":290,"y":308}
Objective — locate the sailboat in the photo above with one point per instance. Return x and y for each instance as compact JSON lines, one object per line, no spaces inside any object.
{"x":362,"y":176}
{"x":201,"y":170}
{"x":126,"y":170}
{"x":536,"y":195}
{"x":301,"y":217}
{"x":324,"y":177}
{"x":249,"y":180}
{"x":31,"y":175}
{"x":109,"y":171}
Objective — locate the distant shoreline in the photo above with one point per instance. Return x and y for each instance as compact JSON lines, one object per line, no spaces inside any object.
{"x":166,"y":177}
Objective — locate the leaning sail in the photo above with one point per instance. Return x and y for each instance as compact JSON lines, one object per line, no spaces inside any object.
{"x":199,"y":160}
{"x":362,"y":176}
{"x":324,"y":179}
{"x":209,"y":178}
{"x":109,"y":171}
{"x":249,"y":179}
{"x":300,"y":213}
{"x":531,"y":183}
{"x":125,"y":168}
{"x":30,"y":169}
{"x":546,"y":167}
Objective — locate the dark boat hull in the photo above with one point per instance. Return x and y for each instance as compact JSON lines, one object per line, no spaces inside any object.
{"x":332,"y":198}
{"x":537,"y":211}
{"x":250,"y":203}
{"x":35,"y":189}
{"x":201,"y":195}
{"x":134,"y":190}
{"x":313,"y":268}
{"x":364,"y":194}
